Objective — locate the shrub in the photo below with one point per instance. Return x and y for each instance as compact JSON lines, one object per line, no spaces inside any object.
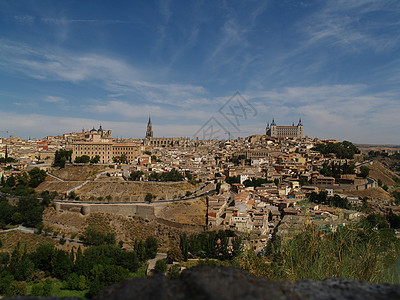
{"x":161,"y":266}
{"x":174,"y":272}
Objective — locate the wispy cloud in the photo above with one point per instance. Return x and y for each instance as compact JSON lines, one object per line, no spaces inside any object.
{"x":25,"y":19}
{"x":113,"y":75}
{"x":338,"y":111}
{"x":347,"y":24}
{"x":129,"y":110}
{"x":55,"y":99}
{"x":64,"y":21}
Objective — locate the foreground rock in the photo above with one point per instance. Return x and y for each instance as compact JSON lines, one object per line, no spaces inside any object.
{"x":223,"y":283}
{"x":227,"y":283}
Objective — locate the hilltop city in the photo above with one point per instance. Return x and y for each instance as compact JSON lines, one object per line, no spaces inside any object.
{"x":246,"y":193}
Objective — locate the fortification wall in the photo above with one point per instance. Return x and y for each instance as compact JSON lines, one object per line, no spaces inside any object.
{"x":142,"y":210}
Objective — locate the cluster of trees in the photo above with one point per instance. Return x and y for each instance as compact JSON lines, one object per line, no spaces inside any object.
{"x":5,"y":160}
{"x":232,"y":179}
{"x":23,"y":183}
{"x":344,"y":149}
{"x":92,"y":269}
{"x":224,"y":245}
{"x":61,"y":157}
{"x":28,"y":211}
{"x":322,"y":198}
{"x":96,"y":238}
{"x":172,"y":175}
{"x":396,"y":195}
{"x":373,"y":154}
{"x":238,"y":159}
{"x":122,"y":159}
{"x":136,"y":175}
{"x":256,"y":182}
{"x":335,"y":170}
{"x":84,"y":159}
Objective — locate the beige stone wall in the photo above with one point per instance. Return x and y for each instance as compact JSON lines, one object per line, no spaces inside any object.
{"x":142,"y":210}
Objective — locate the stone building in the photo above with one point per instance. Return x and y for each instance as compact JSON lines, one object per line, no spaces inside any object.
{"x":106,"y":151}
{"x":93,"y":135}
{"x":149,"y":140}
{"x":275,"y":131}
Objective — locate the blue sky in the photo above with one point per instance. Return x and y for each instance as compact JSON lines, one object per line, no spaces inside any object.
{"x":68,"y":65}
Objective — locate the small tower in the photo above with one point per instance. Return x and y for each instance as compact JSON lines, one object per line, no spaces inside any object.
{"x":274,"y":132}
{"x":300,"y":129}
{"x":149,"y":131}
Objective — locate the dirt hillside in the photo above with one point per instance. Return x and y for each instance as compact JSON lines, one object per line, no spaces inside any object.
{"x":377,"y":193}
{"x":379,"y":171}
{"x":32,"y":241}
{"x":129,"y":188}
{"x":78,"y":173}
{"x":185,"y":212}
{"x":126,"y":229}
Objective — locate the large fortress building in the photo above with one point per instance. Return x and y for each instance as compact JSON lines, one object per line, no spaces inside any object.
{"x":275,"y":131}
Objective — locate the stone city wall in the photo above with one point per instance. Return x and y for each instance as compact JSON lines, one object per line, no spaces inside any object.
{"x":142,"y":210}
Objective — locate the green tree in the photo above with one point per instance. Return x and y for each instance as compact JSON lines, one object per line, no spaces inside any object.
{"x":364,"y":170}
{"x":31,"y":209}
{"x":174,"y":253}
{"x":174,"y":271}
{"x":10,"y":181}
{"x":76,"y":282}
{"x":61,"y":157}
{"x":135,"y":176}
{"x":151,"y":245}
{"x":43,"y":288}
{"x":62,"y":264}
{"x":16,"y":288}
{"x":218,"y":187}
{"x":148,"y":198}
{"x":43,"y":256}
{"x":141,"y":250}
{"x":84,"y":159}
{"x":103,"y":276}
{"x":36,"y":177}
{"x":6,"y":278}
{"x":95,"y":159}
{"x":183,"y":245}
{"x":161,"y":266}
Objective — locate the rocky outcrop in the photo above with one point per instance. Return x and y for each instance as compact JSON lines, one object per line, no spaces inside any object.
{"x":222,"y":283}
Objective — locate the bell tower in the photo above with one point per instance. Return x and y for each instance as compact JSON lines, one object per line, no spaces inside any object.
{"x":149,"y":131}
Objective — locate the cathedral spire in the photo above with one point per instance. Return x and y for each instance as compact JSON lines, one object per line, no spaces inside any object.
{"x":149,"y":131}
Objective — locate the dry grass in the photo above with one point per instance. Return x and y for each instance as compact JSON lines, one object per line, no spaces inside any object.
{"x":128,"y":188}
{"x":379,"y":171}
{"x":58,"y":186}
{"x":78,"y":173}
{"x":32,"y":241}
{"x":376,"y":193}
{"x":185,"y":212}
